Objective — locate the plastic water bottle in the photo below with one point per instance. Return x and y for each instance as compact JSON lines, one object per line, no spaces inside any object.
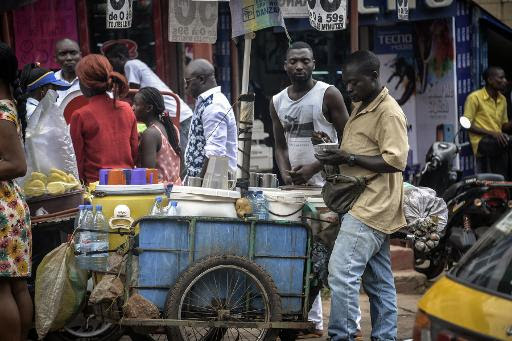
{"x":78,"y":221}
{"x":98,"y":261}
{"x":156,"y":209}
{"x":84,"y":240}
{"x":260,"y":206}
{"x":172,"y":209}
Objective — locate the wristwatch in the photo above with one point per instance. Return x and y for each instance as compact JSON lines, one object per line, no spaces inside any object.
{"x":351,"y":161}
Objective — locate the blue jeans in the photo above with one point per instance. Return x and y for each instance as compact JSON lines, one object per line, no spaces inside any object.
{"x":361,"y":252}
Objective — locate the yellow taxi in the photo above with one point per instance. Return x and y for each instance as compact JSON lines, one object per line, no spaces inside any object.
{"x":474,"y":300}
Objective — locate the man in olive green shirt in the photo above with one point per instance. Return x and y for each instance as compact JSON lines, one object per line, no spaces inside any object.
{"x":374,"y":143}
{"x":486,"y":108}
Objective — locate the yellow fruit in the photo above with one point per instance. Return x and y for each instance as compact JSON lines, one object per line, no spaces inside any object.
{"x":34,"y":191}
{"x":56,"y":188}
{"x":58,"y":171}
{"x":55,"y":177}
{"x":38,"y":176}
{"x":35,"y":184}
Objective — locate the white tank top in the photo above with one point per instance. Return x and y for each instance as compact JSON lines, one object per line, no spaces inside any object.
{"x":300,"y":119}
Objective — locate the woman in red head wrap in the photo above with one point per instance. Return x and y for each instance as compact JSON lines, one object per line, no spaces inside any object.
{"x":104,"y":132}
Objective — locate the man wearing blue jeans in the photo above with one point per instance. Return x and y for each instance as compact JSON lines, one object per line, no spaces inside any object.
{"x":375,"y":146}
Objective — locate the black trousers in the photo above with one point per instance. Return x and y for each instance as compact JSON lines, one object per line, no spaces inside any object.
{"x":494,"y":158}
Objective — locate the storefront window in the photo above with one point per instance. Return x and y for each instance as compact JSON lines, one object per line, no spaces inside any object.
{"x":141,"y":31}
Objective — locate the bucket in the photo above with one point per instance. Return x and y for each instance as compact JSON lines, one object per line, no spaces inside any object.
{"x":205,"y":202}
{"x":285,"y":205}
{"x":325,"y":215}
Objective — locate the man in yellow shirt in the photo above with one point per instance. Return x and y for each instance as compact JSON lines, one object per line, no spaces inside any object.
{"x":487,"y":110}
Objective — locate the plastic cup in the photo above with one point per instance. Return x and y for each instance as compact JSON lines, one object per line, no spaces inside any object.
{"x":104,"y":176}
{"x":151,"y":175}
{"x":138,"y":176}
{"x":116,"y":177}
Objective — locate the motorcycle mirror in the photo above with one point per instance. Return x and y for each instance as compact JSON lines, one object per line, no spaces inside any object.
{"x":465,"y":122}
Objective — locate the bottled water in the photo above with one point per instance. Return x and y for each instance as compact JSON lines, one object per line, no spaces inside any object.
{"x":98,"y":261}
{"x":172,"y":209}
{"x":84,"y":237}
{"x":156,"y":209}
{"x":78,"y":221}
{"x":260,"y":206}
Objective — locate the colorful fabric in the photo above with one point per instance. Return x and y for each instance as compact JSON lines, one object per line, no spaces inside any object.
{"x":195,"y":155}
{"x":95,"y":72}
{"x":167,"y":161}
{"x":15,"y":233}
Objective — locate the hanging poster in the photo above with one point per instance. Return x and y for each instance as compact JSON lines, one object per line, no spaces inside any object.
{"x":253,"y":15}
{"x":402,"y":9}
{"x":328,"y":15}
{"x":193,"y":21}
{"x":119,"y":14}
{"x":294,"y":8}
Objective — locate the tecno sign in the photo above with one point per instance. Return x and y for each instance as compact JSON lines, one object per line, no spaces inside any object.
{"x":391,"y":5}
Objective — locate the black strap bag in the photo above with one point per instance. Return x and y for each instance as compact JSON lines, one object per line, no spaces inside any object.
{"x":340,"y":192}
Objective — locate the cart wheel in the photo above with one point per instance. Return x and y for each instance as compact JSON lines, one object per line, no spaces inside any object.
{"x":223,"y":288}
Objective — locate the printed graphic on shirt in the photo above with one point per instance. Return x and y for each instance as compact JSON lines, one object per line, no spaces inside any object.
{"x":298,"y":122}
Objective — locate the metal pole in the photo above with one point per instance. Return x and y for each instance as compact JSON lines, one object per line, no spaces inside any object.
{"x":246,"y":115}
{"x":354,"y":26}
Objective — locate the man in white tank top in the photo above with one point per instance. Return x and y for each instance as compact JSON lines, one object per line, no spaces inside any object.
{"x":305,"y":107}
{"x":308,"y":108}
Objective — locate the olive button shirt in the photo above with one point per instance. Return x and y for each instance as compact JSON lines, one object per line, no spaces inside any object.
{"x":379,"y":129}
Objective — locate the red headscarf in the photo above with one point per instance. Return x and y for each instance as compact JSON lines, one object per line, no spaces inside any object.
{"x":95,"y":72}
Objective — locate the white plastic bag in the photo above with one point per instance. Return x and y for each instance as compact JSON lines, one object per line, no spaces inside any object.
{"x":426,"y":216}
{"x":48,"y":142}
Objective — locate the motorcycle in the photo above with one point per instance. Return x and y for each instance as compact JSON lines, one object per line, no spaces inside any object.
{"x":474,"y":203}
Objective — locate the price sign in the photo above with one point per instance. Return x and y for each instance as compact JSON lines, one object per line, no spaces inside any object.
{"x":193,"y":21}
{"x":119,"y":14}
{"x":328,"y":15}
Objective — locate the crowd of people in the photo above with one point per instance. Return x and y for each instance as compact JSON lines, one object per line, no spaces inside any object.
{"x":373,"y":143}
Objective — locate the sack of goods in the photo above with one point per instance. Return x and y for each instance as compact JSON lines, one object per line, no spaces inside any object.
{"x":426,"y":216}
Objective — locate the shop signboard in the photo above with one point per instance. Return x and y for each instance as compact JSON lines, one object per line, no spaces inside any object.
{"x":328,"y":15}
{"x":119,"y":14}
{"x":294,"y":8}
{"x":193,"y":21}
{"x":253,"y":15}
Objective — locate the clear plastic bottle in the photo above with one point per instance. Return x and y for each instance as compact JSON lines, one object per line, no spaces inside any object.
{"x":157,"y":209}
{"x":99,"y":242}
{"x":84,"y":239}
{"x":172,"y":209}
{"x":78,"y":222}
{"x":260,"y":206}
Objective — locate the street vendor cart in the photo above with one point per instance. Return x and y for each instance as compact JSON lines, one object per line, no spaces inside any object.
{"x":221,"y":279}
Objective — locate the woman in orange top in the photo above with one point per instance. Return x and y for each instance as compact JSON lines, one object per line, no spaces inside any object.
{"x":160,"y":145}
{"x":104,"y":132}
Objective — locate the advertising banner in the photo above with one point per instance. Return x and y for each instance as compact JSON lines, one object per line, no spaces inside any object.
{"x":294,"y":8}
{"x":328,"y":15}
{"x":193,"y":21}
{"x":394,"y":47}
{"x":119,"y":14}
{"x":253,"y":15}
